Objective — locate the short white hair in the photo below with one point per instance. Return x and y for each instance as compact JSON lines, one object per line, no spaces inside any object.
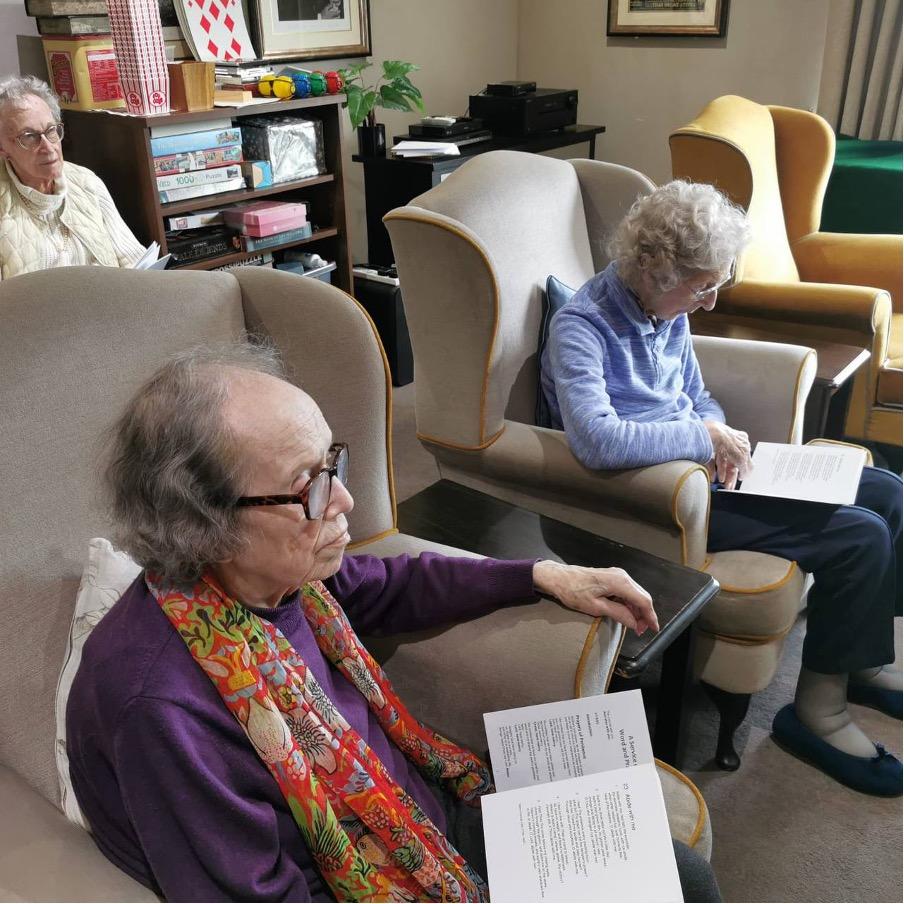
{"x":14,"y":89}
{"x":677,"y":231}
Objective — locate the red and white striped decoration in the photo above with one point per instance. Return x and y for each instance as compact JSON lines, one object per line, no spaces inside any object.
{"x":140,"y":55}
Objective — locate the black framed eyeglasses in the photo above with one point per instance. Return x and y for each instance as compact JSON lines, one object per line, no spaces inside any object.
{"x":315,"y":494}
{"x":29,"y":139}
{"x":726,"y":283}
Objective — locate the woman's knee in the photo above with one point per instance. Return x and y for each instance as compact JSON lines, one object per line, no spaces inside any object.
{"x":881,"y":492}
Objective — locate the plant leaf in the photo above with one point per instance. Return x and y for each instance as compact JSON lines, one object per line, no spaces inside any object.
{"x":393,"y":99}
{"x":357,"y":107}
{"x":394,"y":68}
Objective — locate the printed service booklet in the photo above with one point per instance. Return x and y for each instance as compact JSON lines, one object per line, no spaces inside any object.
{"x":828,"y":474}
{"x":578,"y":814}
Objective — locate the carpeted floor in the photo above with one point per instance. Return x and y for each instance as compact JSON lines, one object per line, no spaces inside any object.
{"x":782,"y":830}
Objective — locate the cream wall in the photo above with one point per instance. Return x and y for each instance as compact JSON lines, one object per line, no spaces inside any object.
{"x":13,"y":21}
{"x":460,"y":45}
{"x":642,"y":88}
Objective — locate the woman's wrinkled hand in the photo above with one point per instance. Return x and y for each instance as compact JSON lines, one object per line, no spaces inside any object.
{"x":610,"y":592}
{"x":731,"y":453}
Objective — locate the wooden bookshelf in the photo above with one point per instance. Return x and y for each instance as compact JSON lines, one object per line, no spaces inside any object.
{"x":118,"y":149}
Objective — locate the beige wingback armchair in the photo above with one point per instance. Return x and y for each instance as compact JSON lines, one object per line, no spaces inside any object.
{"x":74,"y":344}
{"x":473,"y":254}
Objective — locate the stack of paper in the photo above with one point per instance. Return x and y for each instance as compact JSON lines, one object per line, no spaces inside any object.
{"x":425,"y":149}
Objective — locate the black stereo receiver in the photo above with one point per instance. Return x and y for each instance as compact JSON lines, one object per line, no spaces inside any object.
{"x":538,"y":111}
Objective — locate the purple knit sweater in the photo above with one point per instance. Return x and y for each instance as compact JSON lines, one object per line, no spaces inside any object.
{"x":175,"y":794}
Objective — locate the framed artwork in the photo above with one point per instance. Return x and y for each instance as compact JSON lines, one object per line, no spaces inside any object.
{"x":667,"y":17}
{"x":311,"y":29}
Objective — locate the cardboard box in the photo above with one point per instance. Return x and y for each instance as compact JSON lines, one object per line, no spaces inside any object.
{"x":257,"y":173}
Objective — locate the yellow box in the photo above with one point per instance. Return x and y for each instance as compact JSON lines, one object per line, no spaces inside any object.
{"x":82,"y":71}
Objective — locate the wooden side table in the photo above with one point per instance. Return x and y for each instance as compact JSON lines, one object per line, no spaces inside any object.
{"x":449,"y":513}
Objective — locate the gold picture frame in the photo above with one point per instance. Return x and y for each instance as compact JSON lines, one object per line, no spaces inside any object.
{"x":675,"y":18}
{"x":311,"y":29}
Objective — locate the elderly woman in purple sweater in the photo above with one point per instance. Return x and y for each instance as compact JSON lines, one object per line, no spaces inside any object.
{"x":229,"y":737}
{"x":621,"y":379}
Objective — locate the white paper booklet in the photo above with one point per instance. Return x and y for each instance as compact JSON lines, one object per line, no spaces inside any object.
{"x":425,"y":149}
{"x":579,"y":814}
{"x":808,"y":473}
{"x":151,"y":259}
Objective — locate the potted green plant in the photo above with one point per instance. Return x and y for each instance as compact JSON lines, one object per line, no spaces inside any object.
{"x":392,"y":90}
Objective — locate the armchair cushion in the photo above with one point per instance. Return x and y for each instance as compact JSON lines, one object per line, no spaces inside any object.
{"x":556,"y":296}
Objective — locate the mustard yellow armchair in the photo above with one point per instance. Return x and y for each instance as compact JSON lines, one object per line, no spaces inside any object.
{"x":775,"y":162}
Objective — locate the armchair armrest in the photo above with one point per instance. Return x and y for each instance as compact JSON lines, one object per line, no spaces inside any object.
{"x":525,"y":455}
{"x":44,"y":857}
{"x":854,"y":260}
{"x":781,"y":374}
{"x":854,"y":315}
{"x":517,"y":656}
{"x":673,"y":496}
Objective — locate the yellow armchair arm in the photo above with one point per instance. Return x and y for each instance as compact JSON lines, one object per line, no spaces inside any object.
{"x":854,"y":260}
{"x":858,"y":313}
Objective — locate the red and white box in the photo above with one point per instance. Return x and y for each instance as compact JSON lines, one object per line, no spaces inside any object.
{"x":263,"y":218}
{"x":140,"y":55}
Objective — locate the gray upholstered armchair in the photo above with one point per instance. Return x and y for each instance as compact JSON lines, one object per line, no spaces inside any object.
{"x":473,"y":255}
{"x":74,"y":344}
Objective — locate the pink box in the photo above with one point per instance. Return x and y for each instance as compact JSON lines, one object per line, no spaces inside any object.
{"x":262,"y":218}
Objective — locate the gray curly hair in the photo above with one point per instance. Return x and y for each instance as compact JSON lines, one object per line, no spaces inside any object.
{"x":677,"y":231}
{"x":174,"y":470}
{"x":15,"y":88}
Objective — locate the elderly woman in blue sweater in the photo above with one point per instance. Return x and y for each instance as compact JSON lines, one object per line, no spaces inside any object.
{"x":621,"y":379}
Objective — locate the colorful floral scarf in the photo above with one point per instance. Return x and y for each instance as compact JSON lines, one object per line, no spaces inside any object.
{"x":369,"y":838}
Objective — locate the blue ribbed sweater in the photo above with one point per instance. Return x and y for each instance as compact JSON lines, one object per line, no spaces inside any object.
{"x":626,"y":393}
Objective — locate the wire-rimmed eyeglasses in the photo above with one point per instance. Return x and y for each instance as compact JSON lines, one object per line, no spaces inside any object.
{"x":29,"y":140}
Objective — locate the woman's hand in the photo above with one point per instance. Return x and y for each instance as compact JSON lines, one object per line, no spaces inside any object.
{"x":597,"y":591}
{"x":731,"y":453}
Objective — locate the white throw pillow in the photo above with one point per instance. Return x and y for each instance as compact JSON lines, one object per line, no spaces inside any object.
{"x":106,"y":577}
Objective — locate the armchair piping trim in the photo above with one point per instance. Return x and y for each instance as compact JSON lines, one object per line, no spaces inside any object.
{"x":674,"y":506}
{"x":819,"y":441}
{"x":387,"y":379}
{"x":750,"y":591}
{"x":414,"y":218}
{"x":592,"y":631}
{"x":459,"y":446}
{"x":796,"y":409}
{"x":751,"y":641}
{"x":701,"y":803}
{"x":385,"y":533}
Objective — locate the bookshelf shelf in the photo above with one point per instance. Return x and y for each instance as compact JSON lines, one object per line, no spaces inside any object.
{"x":245,"y":194}
{"x":118,"y":149}
{"x":238,"y":256}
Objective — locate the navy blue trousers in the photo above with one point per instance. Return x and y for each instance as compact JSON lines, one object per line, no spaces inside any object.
{"x":853,"y":553}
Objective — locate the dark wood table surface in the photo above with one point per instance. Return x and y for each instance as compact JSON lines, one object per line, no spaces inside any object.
{"x":449,"y":513}
{"x":836,"y":363}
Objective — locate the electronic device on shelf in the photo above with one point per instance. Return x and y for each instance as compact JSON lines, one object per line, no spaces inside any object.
{"x":460,"y":140}
{"x":510,"y":89}
{"x":445,"y":126}
{"x":541,"y":110}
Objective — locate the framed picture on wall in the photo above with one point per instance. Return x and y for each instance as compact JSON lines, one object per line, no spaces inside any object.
{"x":311,"y":29}
{"x":667,"y":17}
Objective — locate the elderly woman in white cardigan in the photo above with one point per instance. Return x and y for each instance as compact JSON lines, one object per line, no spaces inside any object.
{"x":52,"y":213}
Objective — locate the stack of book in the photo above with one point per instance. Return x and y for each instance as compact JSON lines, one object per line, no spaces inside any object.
{"x":89,"y":17}
{"x":190,"y":163}
{"x":240,"y":79}
{"x":266,"y":224}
